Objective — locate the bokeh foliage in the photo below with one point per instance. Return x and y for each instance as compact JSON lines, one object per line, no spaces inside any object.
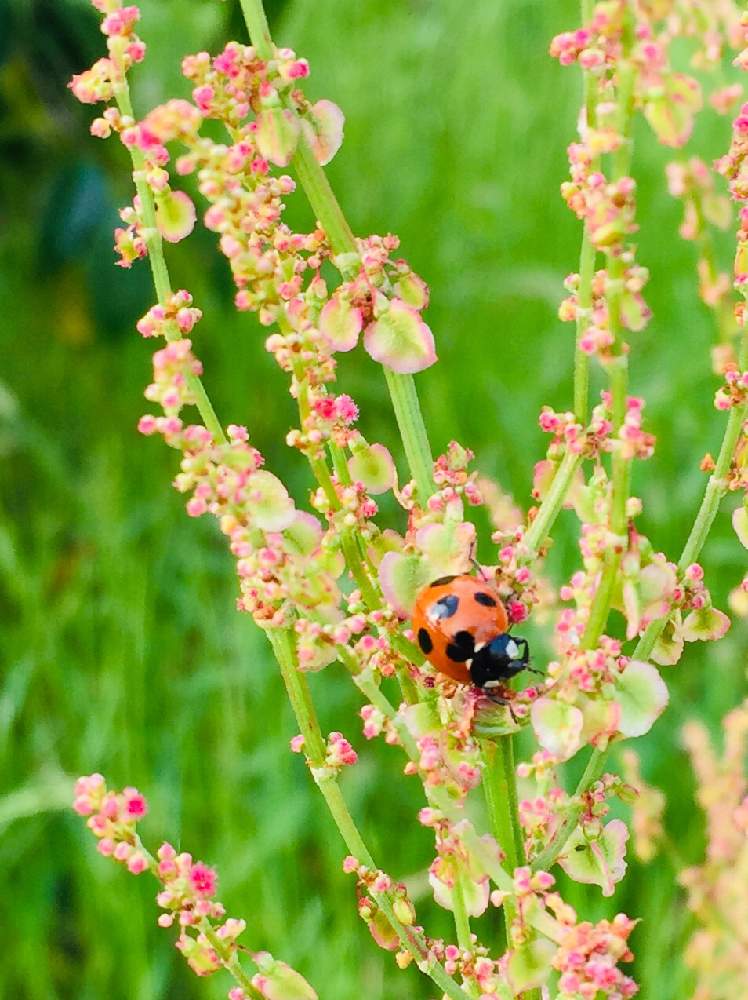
{"x":121,"y":649}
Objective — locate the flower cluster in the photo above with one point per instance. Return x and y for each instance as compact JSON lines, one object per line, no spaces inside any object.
{"x":125,"y":49}
{"x":641,"y":36}
{"x":112,"y":818}
{"x":588,"y":960}
{"x":188,"y":887}
{"x":178,"y":311}
{"x":734,"y":392}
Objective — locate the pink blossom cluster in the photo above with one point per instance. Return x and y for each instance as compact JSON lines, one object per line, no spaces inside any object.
{"x":693,"y":182}
{"x":596,"y":45}
{"x":173,"y":367}
{"x":125,"y":49}
{"x":112,"y":818}
{"x":178,"y":311}
{"x":371,"y":886}
{"x":187,"y":894}
{"x":588,"y":958}
{"x":597,"y":338}
{"x":448,"y":752}
{"x":735,"y":390}
{"x":641,"y":36}
{"x":187,"y":888}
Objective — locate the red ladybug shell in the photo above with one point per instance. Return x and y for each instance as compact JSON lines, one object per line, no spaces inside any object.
{"x":453,"y":614}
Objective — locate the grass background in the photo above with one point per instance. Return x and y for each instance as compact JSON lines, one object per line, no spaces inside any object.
{"x":121,"y":650}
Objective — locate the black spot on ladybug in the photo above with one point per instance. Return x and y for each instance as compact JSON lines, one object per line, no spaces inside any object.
{"x":442,"y":581}
{"x":486,"y":599}
{"x":461,"y":648}
{"x":445,"y":607}
{"x":424,"y":641}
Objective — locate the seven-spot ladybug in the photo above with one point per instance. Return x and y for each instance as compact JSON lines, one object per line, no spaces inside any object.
{"x":461,"y":627}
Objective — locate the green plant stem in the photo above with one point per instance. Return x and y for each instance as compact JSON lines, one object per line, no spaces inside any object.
{"x":500,"y":790}
{"x":713,"y":494}
{"x":587,"y":255}
{"x":552,"y":503}
{"x":330,"y":216}
{"x":500,"y":787}
{"x":258,"y":28}
{"x":299,"y":695}
{"x":412,"y":430}
{"x":230,"y":961}
{"x":462,"y":921}
{"x":716,"y":488}
{"x":157,"y":261}
{"x":617,"y":366}
{"x":324,"y":204}
{"x":621,"y":466}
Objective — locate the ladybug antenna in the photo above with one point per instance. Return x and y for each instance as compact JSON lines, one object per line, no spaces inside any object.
{"x":479,"y":568}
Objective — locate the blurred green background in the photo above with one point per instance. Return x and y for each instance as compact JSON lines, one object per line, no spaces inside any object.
{"x":121,"y":649}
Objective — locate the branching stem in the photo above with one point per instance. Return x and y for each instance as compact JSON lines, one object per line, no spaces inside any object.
{"x":330,"y":216}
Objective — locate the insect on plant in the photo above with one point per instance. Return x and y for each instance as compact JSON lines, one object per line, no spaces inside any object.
{"x":398,"y":609}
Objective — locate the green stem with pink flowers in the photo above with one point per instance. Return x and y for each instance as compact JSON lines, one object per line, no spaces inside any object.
{"x":499,"y":782}
{"x":330,"y":216}
{"x":714,"y":493}
{"x":300,"y":698}
{"x":716,"y":488}
{"x":500,"y":790}
{"x":226,"y":954}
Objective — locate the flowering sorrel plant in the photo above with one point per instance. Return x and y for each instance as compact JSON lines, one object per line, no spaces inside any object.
{"x":329,"y":584}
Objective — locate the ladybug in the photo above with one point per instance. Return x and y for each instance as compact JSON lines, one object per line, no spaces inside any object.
{"x":462,"y":629}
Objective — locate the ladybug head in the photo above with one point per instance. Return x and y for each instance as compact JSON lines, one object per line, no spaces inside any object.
{"x":498,"y":660}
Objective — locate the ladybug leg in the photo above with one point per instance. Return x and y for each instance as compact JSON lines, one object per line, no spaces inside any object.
{"x":497,"y":699}
{"x":477,"y":566}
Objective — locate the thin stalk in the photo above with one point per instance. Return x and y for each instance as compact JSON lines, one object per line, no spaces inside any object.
{"x":230,"y":961}
{"x":324,"y":204}
{"x":716,"y":488}
{"x":619,"y":494}
{"x":500,"y":789}
{"x":330,"y":216}
{"x":551,"y":505}
{"x":621,"y":466}
{"x":587,"y":255}
{"x":355,"y":558}
{"x":306,"y":717}
{"x":462,"y":921}
{"x":412,"y":430}
{"x":501,"y":799}
{"x":617,"y":367}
